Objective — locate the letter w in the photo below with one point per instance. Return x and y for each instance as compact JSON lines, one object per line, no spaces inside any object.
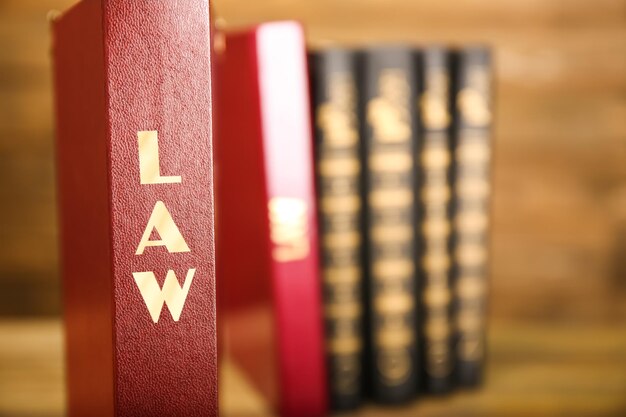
{"x":171,"y":294}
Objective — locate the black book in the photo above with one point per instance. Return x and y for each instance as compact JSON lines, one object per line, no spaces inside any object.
{"x":338,"y":169}
{"x":437,"y":356}
{"x":389,"y":123}
{"x":472,"y":156}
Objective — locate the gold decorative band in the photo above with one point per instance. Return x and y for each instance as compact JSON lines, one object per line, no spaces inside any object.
{"x":345,"y":203}
{"x":342,"y":167}
{"x":342,"y":240}
{"x":393,"y":267}
{"x":393,"y":303}
{"x":391,"y":161}
{"x":391,"y":198}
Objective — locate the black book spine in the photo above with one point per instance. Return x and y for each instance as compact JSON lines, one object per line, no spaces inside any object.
{"x":389,"y":132}
{"x":472,"y":156}
{"x":338,"y":167}
{"x":435,"y":215}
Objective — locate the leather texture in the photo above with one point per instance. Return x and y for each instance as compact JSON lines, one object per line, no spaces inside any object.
{"x":84,"y":213}
{"x":155,"y":74}
{"x":272,"y":307}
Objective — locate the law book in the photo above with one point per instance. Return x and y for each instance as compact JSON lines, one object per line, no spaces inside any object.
{"x":472,"y":156}
{"x":134,"y":161}
{"x":389,"y":115}
{"x":434,"y":193}
{"x":334,"y":87}
{"x":268,"y":256}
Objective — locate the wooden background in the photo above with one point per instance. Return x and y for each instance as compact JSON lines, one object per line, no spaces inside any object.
{"x":559,"y":212}
{"x":559,"y":215}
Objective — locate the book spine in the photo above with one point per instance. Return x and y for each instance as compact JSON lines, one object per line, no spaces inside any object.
{"x":289,"y":172}
{"x":472,"y":155}
{"x":435,"y":196}
{"x":389,"y":131}
{"x":150,"y":79}
{"x":338,"y":168}
{"x":83,"y":204}
{"x":267,"y":214}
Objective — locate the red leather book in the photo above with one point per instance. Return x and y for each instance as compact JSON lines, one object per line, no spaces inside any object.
{"x":267,"y":254}
{"x":133,"y":99}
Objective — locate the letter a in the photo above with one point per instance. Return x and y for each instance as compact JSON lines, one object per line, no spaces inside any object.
{"x":161,"y":221}
{"x":149,"y":169}
{"x":171,"y":294}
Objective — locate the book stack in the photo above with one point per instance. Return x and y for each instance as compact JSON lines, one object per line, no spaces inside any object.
{"x":403,"y":152}
{"x":351,"y":212}
{"x":352,"y":260}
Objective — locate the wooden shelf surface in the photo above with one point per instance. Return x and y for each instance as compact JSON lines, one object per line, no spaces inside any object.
{"x":535,"y":369}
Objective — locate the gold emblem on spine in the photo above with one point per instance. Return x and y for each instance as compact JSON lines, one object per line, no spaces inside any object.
{"x":289,"y":228}
{"x":471,"y":347}
{"x":394,"y":365}
{"x":346,"y":372}
{"x":388,"y":114}
{"x":336,"y":117}
{"x":473,"y":100}
{"x":434,"y":102}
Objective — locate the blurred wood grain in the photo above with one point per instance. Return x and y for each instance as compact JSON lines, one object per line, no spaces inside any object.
{"x":559,"y":211}
{"x":541,"y":370}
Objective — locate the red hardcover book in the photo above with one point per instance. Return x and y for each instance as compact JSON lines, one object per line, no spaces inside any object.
{"x":266,"y":219}
{"x":133,"y":99}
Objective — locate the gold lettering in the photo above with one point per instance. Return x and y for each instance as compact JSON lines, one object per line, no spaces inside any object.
{"x":161,"y":221}
{"x":171,"y":294}
{"x":149,"y":170}
{"x":388,"y":113}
